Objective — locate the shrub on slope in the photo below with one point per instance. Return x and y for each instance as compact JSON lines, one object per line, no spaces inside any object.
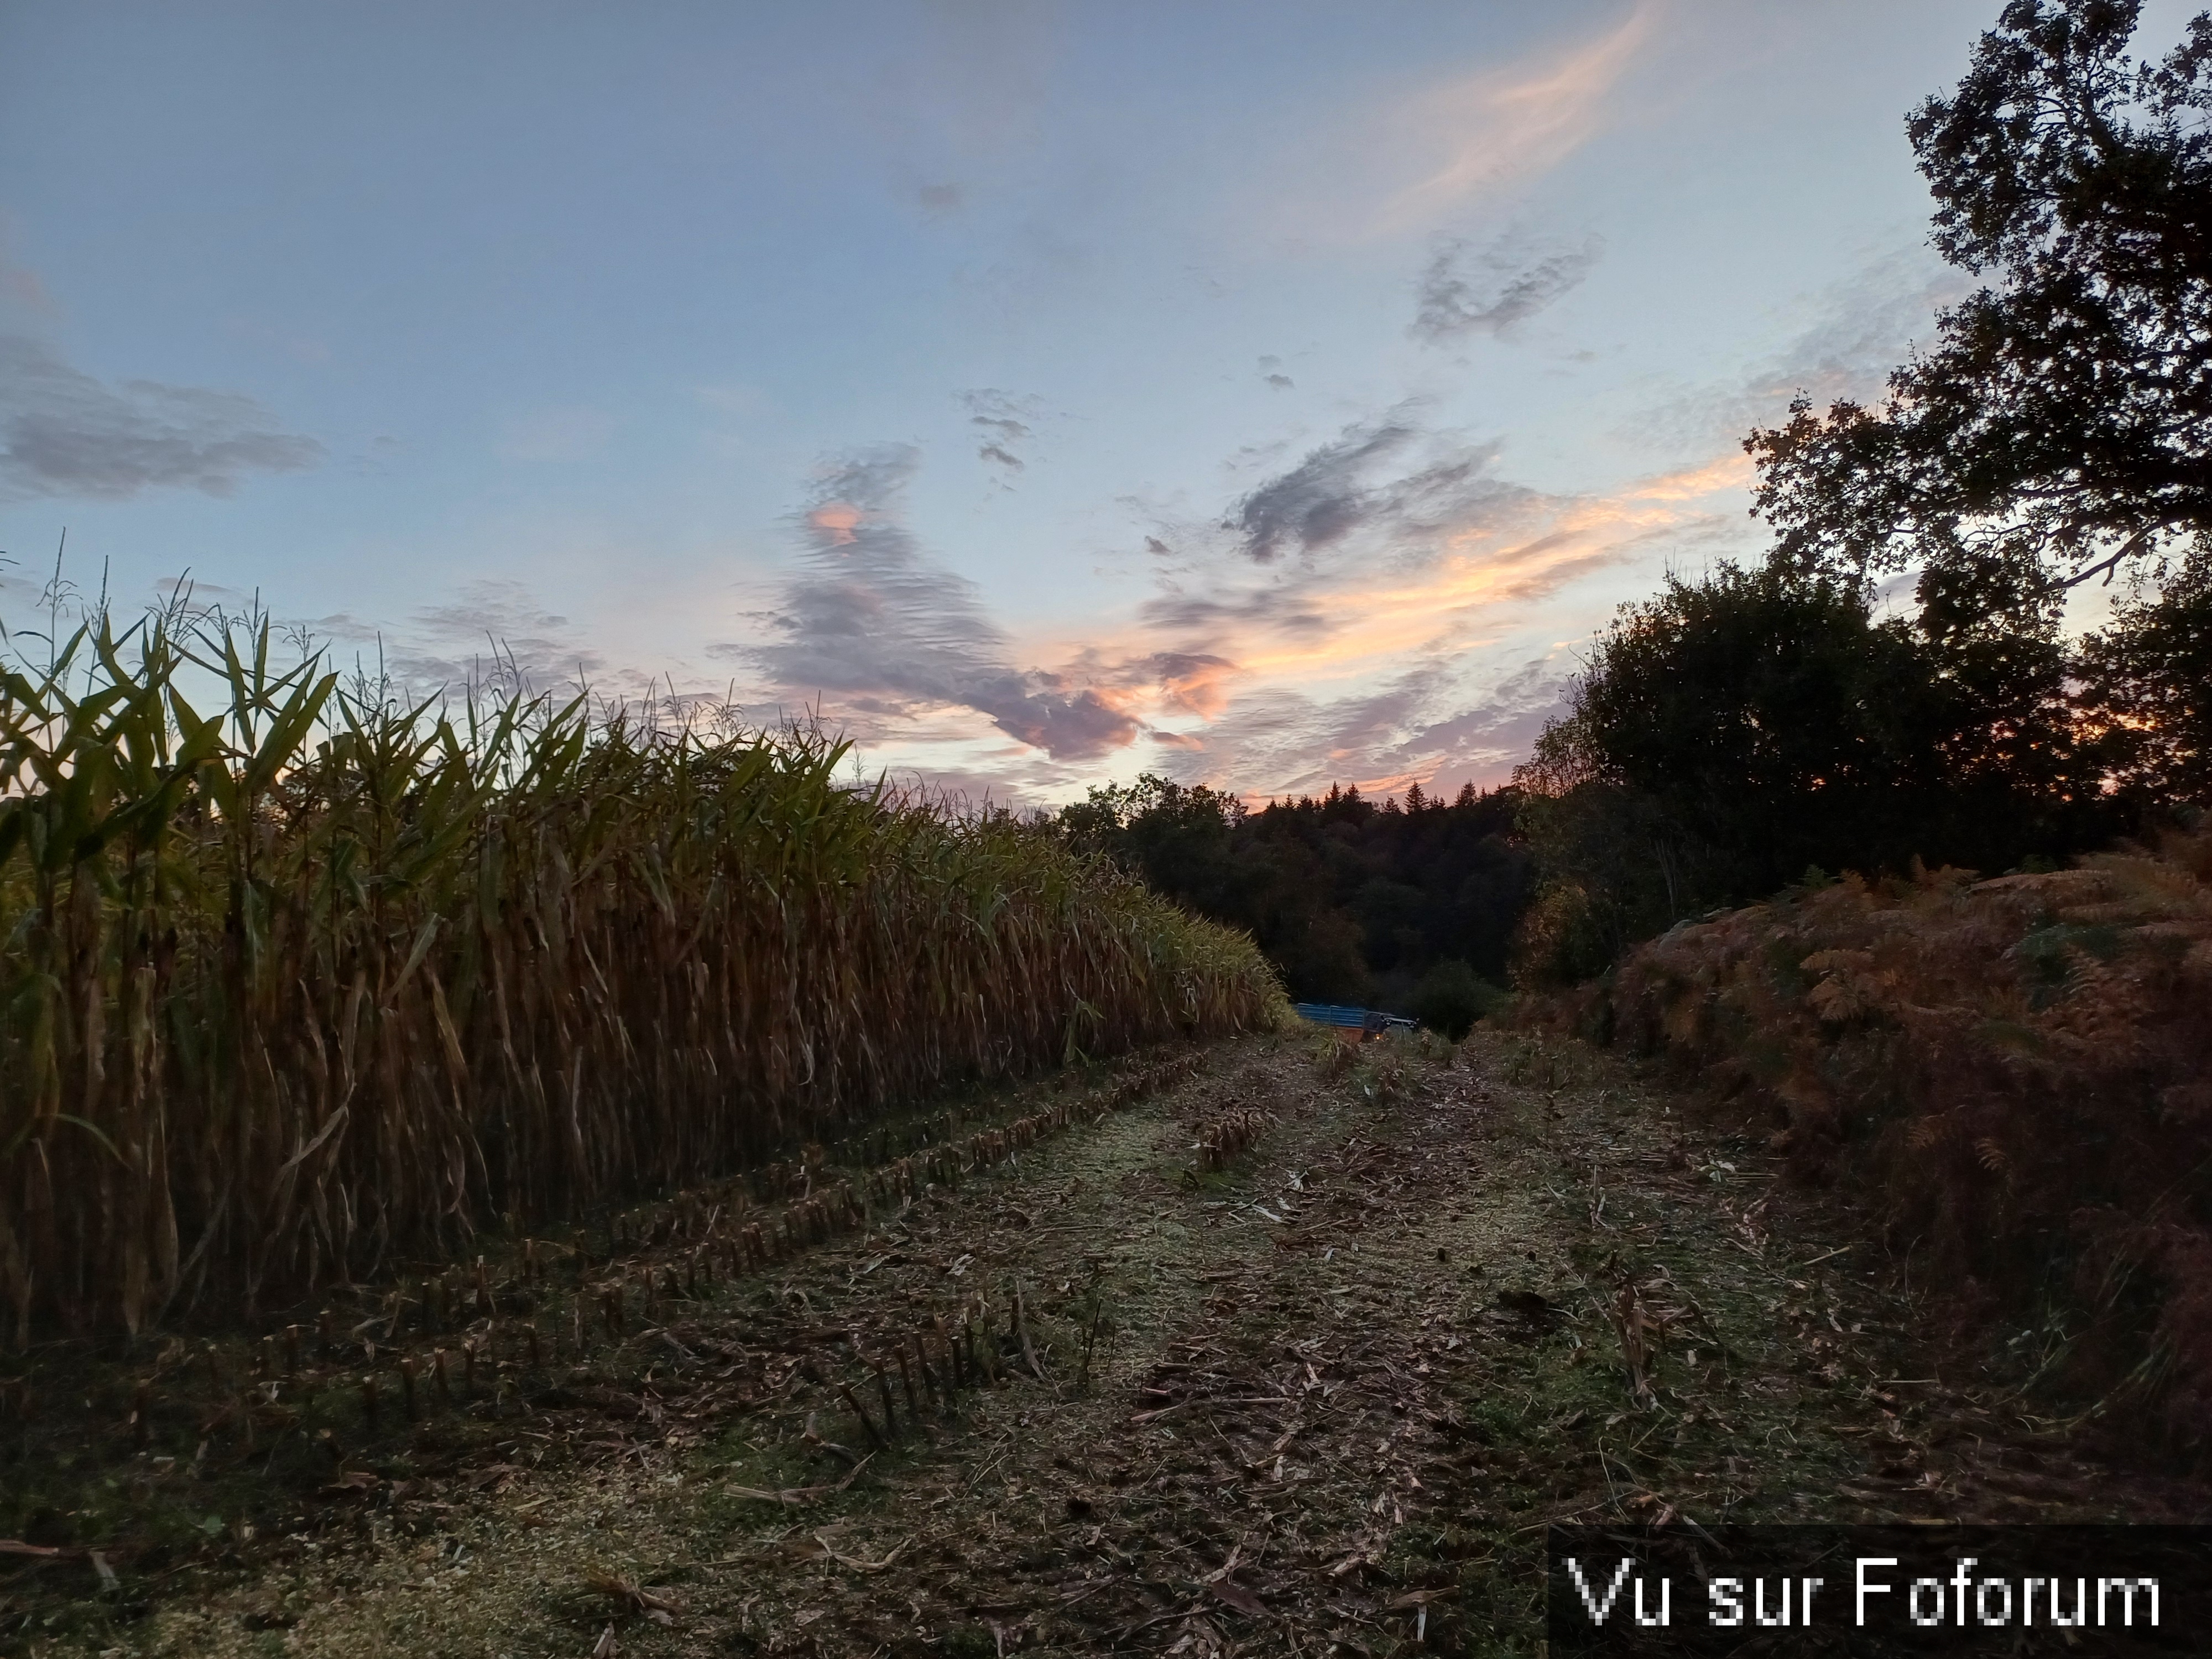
{"x":2018,"y":1070}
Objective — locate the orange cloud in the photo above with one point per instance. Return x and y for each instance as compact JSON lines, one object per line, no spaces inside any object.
{"x":1447,"y":604}
{"x":1732,"y":471}
{"x":1500,"y":127}
{"x":1199,"y":687}
{"x":837,"y":520}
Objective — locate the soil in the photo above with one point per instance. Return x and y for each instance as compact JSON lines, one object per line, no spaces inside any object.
{"x":1278,"y":1346}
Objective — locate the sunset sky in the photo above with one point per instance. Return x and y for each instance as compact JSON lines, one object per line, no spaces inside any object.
{"x":1260,"y":393}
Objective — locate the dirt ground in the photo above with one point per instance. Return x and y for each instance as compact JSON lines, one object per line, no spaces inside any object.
{"x":1283,"y":1346}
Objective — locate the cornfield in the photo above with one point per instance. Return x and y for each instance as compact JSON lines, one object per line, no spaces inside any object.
{"x":323,"y":982}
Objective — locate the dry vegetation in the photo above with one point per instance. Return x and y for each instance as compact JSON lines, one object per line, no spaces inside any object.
{"x":316,"y":986}
{"x":1323,"y":1394}
{"x":2016,"y":1073}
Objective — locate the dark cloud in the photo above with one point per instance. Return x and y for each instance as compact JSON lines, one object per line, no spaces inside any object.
{"x":1321,"y":499}
{"x":1334,"y":493}
{"x":938,"y":199}
{"x":1426,"y":724}
{"x":1004,"y":422}
{"x":873,"y":621}
{"x":1385,"y":496}
{"x":63,"y":433}
{"x":1463,"y":292}
{"x":1288,"y":609}
{"x":1282,"y":382}
{"x":1296,"y":743}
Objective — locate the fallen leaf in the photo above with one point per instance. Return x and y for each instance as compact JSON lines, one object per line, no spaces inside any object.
{"x":1420,"y":1598}
{"x":1240,"y":1598}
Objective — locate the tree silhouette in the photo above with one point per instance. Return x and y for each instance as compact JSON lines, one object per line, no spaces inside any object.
{"x":2061,"y":426}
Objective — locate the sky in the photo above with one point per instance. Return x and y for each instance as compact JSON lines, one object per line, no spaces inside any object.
{"x":1039,"y":393}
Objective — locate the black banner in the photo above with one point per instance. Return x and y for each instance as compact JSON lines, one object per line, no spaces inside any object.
{"x":2081,"y":1591}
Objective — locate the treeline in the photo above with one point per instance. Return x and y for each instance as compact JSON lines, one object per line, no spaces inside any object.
{"x":1411,"y":907}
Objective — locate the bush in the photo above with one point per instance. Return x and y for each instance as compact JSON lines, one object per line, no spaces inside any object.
{"x":1451,"y":997}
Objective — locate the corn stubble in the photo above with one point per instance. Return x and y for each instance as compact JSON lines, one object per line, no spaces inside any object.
{"x":321,"y":982}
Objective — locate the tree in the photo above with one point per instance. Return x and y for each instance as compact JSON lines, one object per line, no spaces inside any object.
{"x":1450,"y":998}
{"x":1729,"y":733}
{"x":2147,"y":690}
{"x":2061,"y":426}
{"x":1351,"y":902}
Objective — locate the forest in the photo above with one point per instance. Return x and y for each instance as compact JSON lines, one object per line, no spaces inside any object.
{"x":1412,"y":905}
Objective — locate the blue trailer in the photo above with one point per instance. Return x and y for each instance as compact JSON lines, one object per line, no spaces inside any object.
{"x":1368,"y":1022}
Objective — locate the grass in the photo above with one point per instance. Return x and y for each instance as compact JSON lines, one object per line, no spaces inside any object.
{"x":322,"y":985}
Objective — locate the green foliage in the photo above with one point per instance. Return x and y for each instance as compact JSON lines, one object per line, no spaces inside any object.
{"x":2147,"y":688}
{"x":1351,"y":900}
{"x":1450,"y":998}
{"x":2059,"y":426}
{"x":1732,"y":733}
{"x":324,"y":980}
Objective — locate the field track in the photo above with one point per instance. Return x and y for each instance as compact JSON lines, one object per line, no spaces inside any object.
{"x":1288,"y":1347}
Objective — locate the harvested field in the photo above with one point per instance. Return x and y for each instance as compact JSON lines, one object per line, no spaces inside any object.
{"x":1316,"y":1386}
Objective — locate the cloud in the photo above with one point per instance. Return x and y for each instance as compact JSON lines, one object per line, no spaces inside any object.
{"x":890,"y":634}
{"x":1333,"y":495}
{"x":63,"y":433}
{"x":937,"y":200}
{"x":1488,"y":131}
{"x":1372,"y":610}
{"x":20,"y":286}
{"x":1861,"y":328}
{"x":1321,"y":499}
{"x":1444,"y":562}
{"x":1001,"y":421}
{"x":1464,"y":293}
{"x":1430,"y":723}
{"x":495,"y":633}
